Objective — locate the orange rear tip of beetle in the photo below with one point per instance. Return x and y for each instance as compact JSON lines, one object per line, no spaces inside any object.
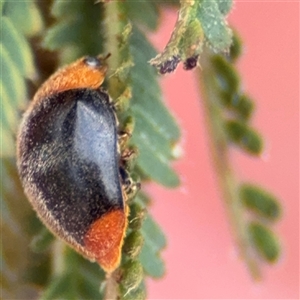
{"x":104,"y":239}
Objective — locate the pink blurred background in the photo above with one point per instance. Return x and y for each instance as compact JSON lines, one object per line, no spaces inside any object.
{"x":201,"y":259}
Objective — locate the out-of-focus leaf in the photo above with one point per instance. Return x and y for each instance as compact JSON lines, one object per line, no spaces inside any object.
{"x":15,"y":254}
{"x":42,"y":241}
{"x":240,"y":104}
{"x":17,"y":48}
{"x":16,"y":64}
{"x":13,"y":82}
{"x":144,"y":12}
{"x":265,"y":242}
{"x":244,"y":136}
{"x":236,"y":47}
{"x":226,"y":75}
{"x":77,"y":31}
{"x":260,"y":201}
{"x":25,"y":16}
{"x":81,"y":277}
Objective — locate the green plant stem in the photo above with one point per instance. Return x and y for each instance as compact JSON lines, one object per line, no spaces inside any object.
{"x":58,"y":260}
{"x":111,"y":287}
{"x":113,"y":29}
{"x":220,"y":155}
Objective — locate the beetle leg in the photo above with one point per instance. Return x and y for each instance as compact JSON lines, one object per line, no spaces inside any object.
{"x":125,"y":132}
{"x":133,"y":189}
{"x":128,"y":157}
{"x":123,"y":137}
{"x":128,"y":154}
{"x":130,"y":187}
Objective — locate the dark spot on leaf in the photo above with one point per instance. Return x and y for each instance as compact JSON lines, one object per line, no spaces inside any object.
{"x":169,"y":66}
{"x":190,"y":63}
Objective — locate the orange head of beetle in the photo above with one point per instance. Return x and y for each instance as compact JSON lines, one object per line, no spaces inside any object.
{"x":86,"y":72}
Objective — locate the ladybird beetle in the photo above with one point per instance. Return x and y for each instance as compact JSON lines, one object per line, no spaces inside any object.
{"x":71,"y":164}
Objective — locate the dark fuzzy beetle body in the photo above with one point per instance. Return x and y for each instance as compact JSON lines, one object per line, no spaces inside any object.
{"x":69,"y":154}
{"x":69,"y":162}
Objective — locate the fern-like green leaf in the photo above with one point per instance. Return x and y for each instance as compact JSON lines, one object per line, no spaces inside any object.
{"x":77,"y":31}
{"x":154,"y":242}
{"x":152,"y":263}
{"x":17,"y":47}
{"x":224,"y":6}
{"x":217,"y":33}
{"x":155,"y":131}
{"x":229,"y":110}
{"x":199,"y":22}
{"x":13,"y":82}
{"x":16,"y":64}
{"x":13,"y":97}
